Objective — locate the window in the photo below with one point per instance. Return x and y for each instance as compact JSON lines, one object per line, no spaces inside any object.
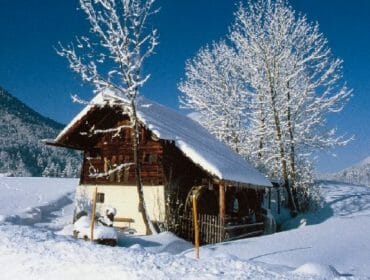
{"x":126,"y":174}
{"x":150,"y":158}
{"x":146,"y":158}
{"x":93,"y":153}
{"x":100,"y":198}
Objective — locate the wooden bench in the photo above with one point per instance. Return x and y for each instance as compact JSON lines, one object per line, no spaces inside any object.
{"x":124,"y":220}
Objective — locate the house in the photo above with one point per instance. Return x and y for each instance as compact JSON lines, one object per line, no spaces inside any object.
{"x":178,"y":157}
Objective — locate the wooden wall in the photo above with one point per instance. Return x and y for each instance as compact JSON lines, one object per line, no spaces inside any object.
{"x":180,"y":175}
{"x":113,"y":149}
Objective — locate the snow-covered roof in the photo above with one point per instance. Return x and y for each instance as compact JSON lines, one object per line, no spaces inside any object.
{"x":191,"y":138}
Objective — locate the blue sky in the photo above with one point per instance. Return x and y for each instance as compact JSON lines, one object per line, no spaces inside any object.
{"x":31,"y":70}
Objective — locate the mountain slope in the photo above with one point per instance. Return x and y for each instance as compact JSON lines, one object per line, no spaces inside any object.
{"x":21,"y":151}
{"x":356,"y":174}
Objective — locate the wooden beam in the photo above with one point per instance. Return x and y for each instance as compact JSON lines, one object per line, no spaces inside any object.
{"x":244,"y":235}
{"x":93,"y":215}
{"x":243,"y":226}
{"x":222,"y":201}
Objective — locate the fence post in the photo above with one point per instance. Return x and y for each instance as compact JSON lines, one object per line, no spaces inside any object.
{"x":196,"y":228}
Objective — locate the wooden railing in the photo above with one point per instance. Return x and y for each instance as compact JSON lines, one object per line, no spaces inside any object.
{"x":233,"y":232}
{"x":212,"y":230}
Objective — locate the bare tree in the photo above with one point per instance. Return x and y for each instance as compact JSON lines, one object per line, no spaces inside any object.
{"x":111,"y":59}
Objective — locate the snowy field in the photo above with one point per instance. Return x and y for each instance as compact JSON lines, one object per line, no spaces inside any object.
{"x":333,"y":243}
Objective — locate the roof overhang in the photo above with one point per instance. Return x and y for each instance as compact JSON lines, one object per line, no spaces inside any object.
{"x":241,"y":185}
{"x":51,"y":142}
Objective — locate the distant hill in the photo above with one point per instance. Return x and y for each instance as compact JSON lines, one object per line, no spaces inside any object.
{"x":21,"y":151}
{"x":356,"y":174}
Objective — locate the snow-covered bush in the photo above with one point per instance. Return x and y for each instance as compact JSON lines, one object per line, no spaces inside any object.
{"x":81,"y":229}
{"x":108,"y":217}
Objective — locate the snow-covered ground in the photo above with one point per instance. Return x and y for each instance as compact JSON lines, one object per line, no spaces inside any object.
{"x":22,"y":200}
{"x":337,"y":235}
{"x":333,"y":243}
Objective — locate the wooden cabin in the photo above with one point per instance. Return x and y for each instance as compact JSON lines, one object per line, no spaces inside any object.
{"x":178,"y":158}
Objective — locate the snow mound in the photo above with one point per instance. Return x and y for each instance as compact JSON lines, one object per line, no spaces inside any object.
{"x":164,"y":242}
{"x":317,"y":269}
{"x":137,"y":247}
{"x":82,"y":227}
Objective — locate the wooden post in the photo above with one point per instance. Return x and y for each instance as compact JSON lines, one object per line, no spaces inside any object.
{"x":93,"y":215}
{"x":196,"y":227}
{"x":222,"y":210}
{"x":278,"y":200}
{"x":222,"y":202}
{"x":269,"y":197}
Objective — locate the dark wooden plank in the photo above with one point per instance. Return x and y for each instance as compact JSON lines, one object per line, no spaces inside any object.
{"x":243,"y":226}
{"x":249,"y":234}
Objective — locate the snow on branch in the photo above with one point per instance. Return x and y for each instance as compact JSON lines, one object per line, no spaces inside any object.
{"x":267,"y":90}
{"x":117,"y":130}
{"x":112,"y":171}
{"x":111,"y":59}
{"x":119,"y":42}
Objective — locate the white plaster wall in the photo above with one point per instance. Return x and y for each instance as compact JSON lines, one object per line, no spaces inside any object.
{"x":125,"y":200}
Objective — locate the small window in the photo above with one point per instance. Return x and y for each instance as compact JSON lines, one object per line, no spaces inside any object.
{"x":100,"y":198}
{"x":93,"y":153}
{"x":126,"y":174}
{"x":127,"y":137}
{"x":150,"y":158}
{"x":146,"y":158}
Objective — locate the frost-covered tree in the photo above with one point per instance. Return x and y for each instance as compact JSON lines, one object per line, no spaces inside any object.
{"x":46,"y":172}
{"x":68,"y":170}
{"x":296,"y":81}
{"x":291,"y":81}
{"x":111,"y":59}
{"x":214,"y":88}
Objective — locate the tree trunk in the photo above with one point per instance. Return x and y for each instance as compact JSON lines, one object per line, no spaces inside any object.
{"x":287,"y":186}
{"x":292,"y":149}
{"x":136,"y":138}
{"x":262,"y":129}
{"x":283,"y":162}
